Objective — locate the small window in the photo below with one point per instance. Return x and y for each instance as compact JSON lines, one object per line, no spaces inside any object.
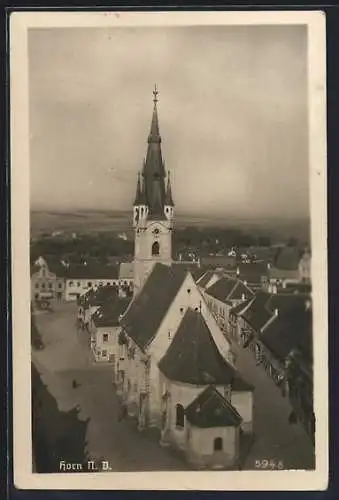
{"x":188,"y":290}
{"x":36,"y":285}
{"x":218,"y":444}
{"x":50,"y":286}
{"x":71,"y":283}
{"x":181,"y":310}
{"x":180,"y":416}
{"x":104,"y":353}
{"x":155,"y":248}
{"x":60,"y":285}
{"x":43,"y":286}
{"x":89,"y":284}
{"x":105,"y":337}
{"x":79,"y":283}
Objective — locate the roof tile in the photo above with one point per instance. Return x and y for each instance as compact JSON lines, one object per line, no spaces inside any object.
{"x":149,"y":307}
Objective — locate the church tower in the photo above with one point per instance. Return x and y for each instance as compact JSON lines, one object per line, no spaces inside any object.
{"x":153,"y":209}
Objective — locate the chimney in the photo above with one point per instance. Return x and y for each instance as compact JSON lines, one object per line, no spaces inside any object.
{"x":245,"y":283}
{"x":268,"y":265}
{"x":276,"y":312}
{"x":238,"y":271}
{"x":243,"y":296}
{"x":274,"y":289}
{"x":308,"y":305}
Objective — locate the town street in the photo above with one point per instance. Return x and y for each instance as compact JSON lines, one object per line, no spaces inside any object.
{"x":276,"y":440}
{"x":65,"y":358}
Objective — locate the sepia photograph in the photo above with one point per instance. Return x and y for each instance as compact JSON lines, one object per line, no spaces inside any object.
{"x":169,"y":250}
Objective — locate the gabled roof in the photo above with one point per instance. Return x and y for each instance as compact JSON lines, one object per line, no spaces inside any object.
{"x":204,"y":280}
{"x":291,"y":329}
{"x":126,"y":270}
{"x":252,"y":272}
{"x":198,"y":273}
{"x":285,"y":302}
{"x":228,"y":289}
{"x":264,"y":306}
{"x":257,"y":315}
{"x":239,"y":291}
{"x":221,"y":289}
{"x":211,"y":409}
{"x":240,"y":307}
{"x":53,"y":264}
{"x":109,"y":313}
{"x":149,"y":307}
{"x":193,"y":357}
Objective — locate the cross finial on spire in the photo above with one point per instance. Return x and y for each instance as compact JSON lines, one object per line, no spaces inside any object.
{"x":155,"y":94}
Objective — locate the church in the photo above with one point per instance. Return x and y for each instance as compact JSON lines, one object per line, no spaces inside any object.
{"x":175,"y":372}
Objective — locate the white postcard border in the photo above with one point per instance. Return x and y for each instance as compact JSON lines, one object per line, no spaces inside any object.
{"x":20,"y":22}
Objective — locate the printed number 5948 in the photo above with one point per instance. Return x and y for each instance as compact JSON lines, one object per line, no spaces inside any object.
{"x":269,"y":464}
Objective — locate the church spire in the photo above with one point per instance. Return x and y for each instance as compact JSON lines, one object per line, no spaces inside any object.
{"x":154,"y":171}
{"x":168,"y":198}
{"x":137,"y":200}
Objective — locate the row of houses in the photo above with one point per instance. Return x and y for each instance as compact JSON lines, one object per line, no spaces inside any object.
{"x":275,"y":323}
{"x":55,"y":279}
{"x":68,"y":282}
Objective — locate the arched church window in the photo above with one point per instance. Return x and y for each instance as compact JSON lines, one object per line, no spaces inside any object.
{"x":180,"y":416}
{"x":218,"y":444}
{"x":155,"y":248}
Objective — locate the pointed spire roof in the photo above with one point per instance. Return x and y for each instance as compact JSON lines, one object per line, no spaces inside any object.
{"x":137,"y":200}
{"x":168,"y":197}
{"x":154,"y":171}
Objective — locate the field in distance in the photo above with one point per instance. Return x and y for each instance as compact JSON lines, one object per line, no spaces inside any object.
{"x":43,"y":221}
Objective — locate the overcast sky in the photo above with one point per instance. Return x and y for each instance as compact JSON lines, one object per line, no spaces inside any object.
{"x":232,"y":114}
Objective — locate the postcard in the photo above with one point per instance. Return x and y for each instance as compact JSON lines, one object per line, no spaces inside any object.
{"x":169,"y":258}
